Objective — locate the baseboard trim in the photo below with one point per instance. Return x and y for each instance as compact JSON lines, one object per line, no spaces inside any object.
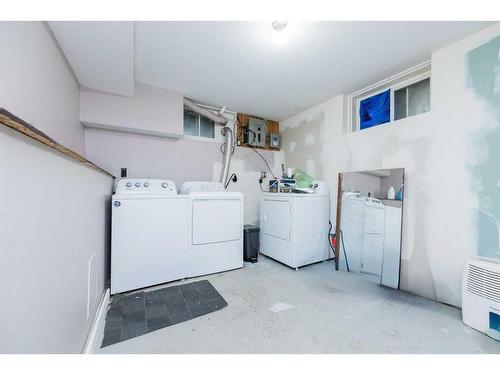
{"x":101,"y":311}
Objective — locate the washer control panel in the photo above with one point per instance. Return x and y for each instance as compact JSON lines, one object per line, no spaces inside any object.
{"x":190,"y":186}
{"x":145,"y":186}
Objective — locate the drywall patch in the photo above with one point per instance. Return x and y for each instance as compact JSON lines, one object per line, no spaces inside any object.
{"x":304,"y":146}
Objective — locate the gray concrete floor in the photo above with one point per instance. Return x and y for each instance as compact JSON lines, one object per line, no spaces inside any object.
{"x":274,"y":309}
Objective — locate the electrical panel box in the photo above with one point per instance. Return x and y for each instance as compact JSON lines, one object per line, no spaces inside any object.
{"x":274,"y":140}
{"x":257,"y":132}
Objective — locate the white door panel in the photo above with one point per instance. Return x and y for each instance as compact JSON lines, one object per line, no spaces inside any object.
{"x":276,"y":218}
{"x":216,"y":220}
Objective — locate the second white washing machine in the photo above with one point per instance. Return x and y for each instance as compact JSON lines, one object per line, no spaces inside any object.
{"x":216,"y":228}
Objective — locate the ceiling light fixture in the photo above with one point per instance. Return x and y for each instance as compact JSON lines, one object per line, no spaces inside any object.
{"x":279,"y":25}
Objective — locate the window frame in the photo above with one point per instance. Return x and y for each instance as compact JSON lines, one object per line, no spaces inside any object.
{"x":218,"y":137}
{"x":396,"y":82}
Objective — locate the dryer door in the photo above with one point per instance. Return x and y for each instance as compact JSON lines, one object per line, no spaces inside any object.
{"x":216,"y":220}
{"x":276,"y":218}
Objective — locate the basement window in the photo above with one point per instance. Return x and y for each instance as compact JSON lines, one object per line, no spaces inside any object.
{"x":404,"y":95}
{"x":375,"y":110}
{"x":412,"y":99}
{"x":197,"y":125}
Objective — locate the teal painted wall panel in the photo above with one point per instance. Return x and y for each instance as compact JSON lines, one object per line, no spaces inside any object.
{"x":484,"y":69}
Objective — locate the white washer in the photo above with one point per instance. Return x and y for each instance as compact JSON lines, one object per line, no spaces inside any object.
{"x":216,"y":227}
{"x":294,"y":227}
{"x":149,"y":236}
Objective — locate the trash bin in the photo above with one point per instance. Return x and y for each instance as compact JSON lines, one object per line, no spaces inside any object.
{"x":250,"y":243}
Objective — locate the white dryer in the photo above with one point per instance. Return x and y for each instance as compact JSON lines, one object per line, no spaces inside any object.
{"x":149,"y":236}
{"x":294,"y":226}
{"x":216,"y":227}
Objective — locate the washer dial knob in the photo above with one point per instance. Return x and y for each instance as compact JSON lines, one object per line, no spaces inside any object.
{"x":164,"y":185}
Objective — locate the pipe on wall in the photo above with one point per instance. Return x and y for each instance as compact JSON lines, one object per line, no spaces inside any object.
{"x":218,"y":119}
{"x":228,"y":145}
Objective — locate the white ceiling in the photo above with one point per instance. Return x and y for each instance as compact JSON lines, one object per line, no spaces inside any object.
{"x":251,"y":68}
{"x":100,"y":53}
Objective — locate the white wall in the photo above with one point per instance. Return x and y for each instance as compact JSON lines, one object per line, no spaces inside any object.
{"x":53,"y":211}
{"x":151,"y":111}
{"x":53,"y":235}
{"x":36,"y":83}
{"x":179,"y":160}
{"x":436,"y":149}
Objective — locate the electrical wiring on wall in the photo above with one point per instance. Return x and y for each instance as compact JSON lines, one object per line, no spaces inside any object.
{"x":265,"y":161}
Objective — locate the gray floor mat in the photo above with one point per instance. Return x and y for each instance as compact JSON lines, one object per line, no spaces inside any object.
{"x":136,"y":314}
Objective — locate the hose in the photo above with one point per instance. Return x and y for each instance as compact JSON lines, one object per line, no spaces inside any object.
{"x":228,"y":133}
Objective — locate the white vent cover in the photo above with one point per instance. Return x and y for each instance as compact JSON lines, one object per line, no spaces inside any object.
{"x":484,"y":283}
{"x":481,"y":295}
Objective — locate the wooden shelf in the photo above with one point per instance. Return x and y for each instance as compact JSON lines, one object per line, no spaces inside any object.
{"x":21,"y":126}
{"x":273,"y":127}
{"x":259,"y":147}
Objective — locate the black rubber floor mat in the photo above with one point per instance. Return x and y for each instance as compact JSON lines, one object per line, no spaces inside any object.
{"x":138,"y":313}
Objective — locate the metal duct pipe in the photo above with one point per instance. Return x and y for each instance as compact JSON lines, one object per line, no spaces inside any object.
{"x":226,"y":132}
{"x":218,"y":119}
{"x":228,"y":145}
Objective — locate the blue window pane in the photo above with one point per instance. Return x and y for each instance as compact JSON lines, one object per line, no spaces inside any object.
{"x":494,"y":321}
{"x":375,"y":110}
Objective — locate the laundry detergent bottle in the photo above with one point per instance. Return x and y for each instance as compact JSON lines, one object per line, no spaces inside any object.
{"x":391,"y":193}
{"x":400,"y":193}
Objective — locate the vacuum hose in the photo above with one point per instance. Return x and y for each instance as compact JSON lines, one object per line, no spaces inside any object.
{"x":228,"y":133}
